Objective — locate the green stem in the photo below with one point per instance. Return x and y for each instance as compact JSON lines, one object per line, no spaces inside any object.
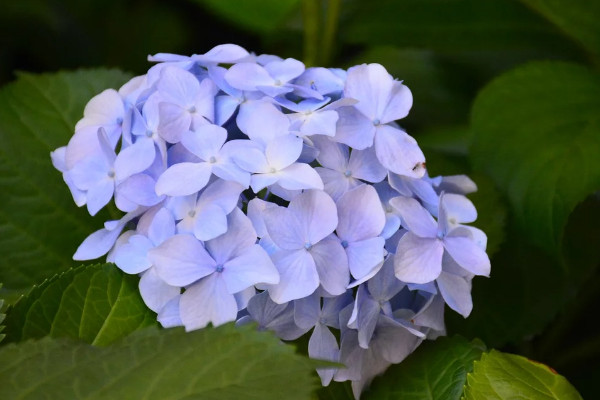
{"x":331,"y":24}
{"x":311,"y":20}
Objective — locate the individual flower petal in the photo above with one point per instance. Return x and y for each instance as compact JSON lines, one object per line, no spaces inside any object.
{"x":207,"y":301}
{"x":332,"y":265}
{"x":415,"y":217}
{"x":155,"y":292}
{"x":456,"y":291}
{"x":181,"y":260}
{"x":183,"y":179}
{"x":251,"y":267}
{"x":298,"y":276}
{"x":360,"y":214}
{"x":399,"y":152}
{"x":323,"y":345}
{"x":467,"y":254}
{"x":418,"y":260}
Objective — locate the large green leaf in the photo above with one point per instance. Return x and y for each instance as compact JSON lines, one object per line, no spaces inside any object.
{"x":224,"y":363}
{"x":262,"y":16}
{"x":536,"y":132}
{"x":40,"y":226}
{"x":98,"y":304}
{"x":578,"y":18}
{"x":437,"y":370}
{"x":449,"y":25}
{"x":500,"y":376}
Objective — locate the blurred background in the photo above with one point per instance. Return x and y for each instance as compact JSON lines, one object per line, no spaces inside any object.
{"x":542,"y":298}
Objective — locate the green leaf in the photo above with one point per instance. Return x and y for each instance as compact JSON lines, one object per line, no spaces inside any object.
{"x":536,"y":132}
{"x":449,"y":25}
{"x":224,"y":363}
{"x":577,"y":18}
{"x":437,"y":370}
{"x":507,"y":376}
{"x":2,"y":316}
{"x":39,"y":223}
{"x":262,"y":16}
{"x":98,"y":304}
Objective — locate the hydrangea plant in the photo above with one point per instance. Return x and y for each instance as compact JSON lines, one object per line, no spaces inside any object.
{"x":260,"y":191}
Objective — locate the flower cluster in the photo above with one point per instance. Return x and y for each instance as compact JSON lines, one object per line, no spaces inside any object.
{"x":257,"y":190}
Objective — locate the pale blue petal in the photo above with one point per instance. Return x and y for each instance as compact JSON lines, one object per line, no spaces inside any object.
{"x":262,"y":121}
{"x":364,"y":256}
{"x":360,"y":214}
{"x":97,"y":244}
{"x":249,"y":268}
{"x":317,"y":213}
{"x":354,"y":129}
{"x":384,"y":285}
{"x":139,"y":189}
{"x":415,"y":218}
{"x":332,"y":265}
{"x":174,"y":121}
{"x":323,"y":345}
{"x":207,"y":301}
{"x":235,"y":241}
{"x":283,"y":151}
{"x":364,"y":165}
{"x":285,"y":70}
{"x":307,"y":311}
{"x":206,"y":141}
{"x":456,"y":291}
{"x":468,"y":254}
{"x":331,"y":155}
{"x":372,"y":86}
{"x":399,"y":152}
{"x":298,"y":276}
{"x":181,"y":260}
{"x":398,"y":105}
{"x":247,"y":76}
{"x":162,"y":226}
{"x":299,"y":176}
{"x":155,"y":292}
{"x":169,"y":314}
{"x":132,"y":257}
{"x":99,"y":195}
{"x":183,"y":179}
{"x":135,"y":158}
{"x":418,"y":260}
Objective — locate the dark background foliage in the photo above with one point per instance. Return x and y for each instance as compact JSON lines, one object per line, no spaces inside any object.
{"x":505,"y":91}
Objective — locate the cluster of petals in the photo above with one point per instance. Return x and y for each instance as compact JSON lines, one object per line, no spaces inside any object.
{"x":254,"y":189}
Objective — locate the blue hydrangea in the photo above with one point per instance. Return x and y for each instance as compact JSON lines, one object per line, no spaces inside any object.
{"x":256,"y":190}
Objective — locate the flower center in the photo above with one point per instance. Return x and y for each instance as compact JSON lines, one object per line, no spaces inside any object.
{"x":348,"y":173}
{"x":308,"y":245}
{"x":149,"y":133}
{"x":376,"y":121}
{"x":344,"y":243}
{"x":272,"y":170}
{"x":192,"y":109}
{"x":192,"y":213}
{"x":212,"y":160}
{"x":219,"y":268}
{"x":111,"y":174}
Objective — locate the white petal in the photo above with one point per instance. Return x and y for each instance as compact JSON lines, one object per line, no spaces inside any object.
{"x":283,"y":151}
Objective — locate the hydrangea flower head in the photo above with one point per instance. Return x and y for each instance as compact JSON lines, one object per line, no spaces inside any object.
{"x":254,"y":189}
